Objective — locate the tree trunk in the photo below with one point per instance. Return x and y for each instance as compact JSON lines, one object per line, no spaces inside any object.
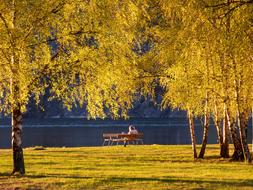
{"x":17,"y":117}
{"x":205,"y":136}
{"x":217,"y":122}
{"x":242,"y":123}
{"x":18,"y":159}
{"x":192,"y":132}
{"x":238,"y":152}
{"x":234,"y":131}
{"x":205,"y":132}
{"x":225,"y":144}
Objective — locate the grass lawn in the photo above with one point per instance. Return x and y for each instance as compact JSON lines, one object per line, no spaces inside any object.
{"x":133,"y":167}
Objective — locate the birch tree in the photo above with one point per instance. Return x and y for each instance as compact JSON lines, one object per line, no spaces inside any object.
{"x":235,"y":41}
{"x":78,"y":49}
{"x":208,"y":40}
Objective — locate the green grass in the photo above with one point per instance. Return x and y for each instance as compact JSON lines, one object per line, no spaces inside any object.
{"x":134,"y":167}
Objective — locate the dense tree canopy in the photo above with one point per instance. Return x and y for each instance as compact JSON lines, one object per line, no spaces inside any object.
{"x":214,"y":62}
{"x":64,"y":44}
{"x":80,"y":50}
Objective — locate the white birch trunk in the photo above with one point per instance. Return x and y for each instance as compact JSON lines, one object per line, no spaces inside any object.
{"x":17,"y":117}
{"x":192,"y":132}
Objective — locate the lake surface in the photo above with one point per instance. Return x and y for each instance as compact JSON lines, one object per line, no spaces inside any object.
{"x":76,"y":132}
{"x":78,"y":122}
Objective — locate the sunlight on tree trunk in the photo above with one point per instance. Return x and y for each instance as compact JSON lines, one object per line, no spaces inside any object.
{"x":217,"y":123}
{"x":225,"y":145}
{"x":242,"y":126}
{"x":238,"y":152}
{"x":192,"y":132}
{"x":17,"y":118}
{"x":18,"y":159}
{"x":206,"y":128}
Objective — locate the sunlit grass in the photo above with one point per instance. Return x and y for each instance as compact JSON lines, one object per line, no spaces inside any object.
{"x":132,"y":167}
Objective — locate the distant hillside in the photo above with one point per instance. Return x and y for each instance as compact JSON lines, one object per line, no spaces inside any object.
{"x":144,"y":108}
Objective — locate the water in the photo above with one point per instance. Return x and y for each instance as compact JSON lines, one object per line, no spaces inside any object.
{"x":82,"y":122}
{"x":74,"y":132}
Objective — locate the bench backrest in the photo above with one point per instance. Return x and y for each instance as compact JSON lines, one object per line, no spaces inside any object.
{"x":131,"y":136}
{"x":110,"y":135}
{"x":123,"y":135}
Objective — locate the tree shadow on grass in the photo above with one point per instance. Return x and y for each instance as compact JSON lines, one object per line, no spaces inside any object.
{"x":208,"y":157}
{"x":57,"y":176}
{"x":168,"y":181}
{"x":185,"y":181}
{"x":5,"y":174}
{"x":34,"y":176}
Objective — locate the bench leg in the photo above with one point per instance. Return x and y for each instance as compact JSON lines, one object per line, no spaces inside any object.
{"x":108,"y":142}
{"x":139,"y":141}
{"x":125,"y":143}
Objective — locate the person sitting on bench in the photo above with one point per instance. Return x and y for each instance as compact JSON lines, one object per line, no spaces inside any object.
{"x":132,"y":130}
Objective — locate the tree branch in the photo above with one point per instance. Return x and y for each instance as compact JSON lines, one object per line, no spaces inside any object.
{"x":4,"y":54}
{"x":37,"y":21}
{"x":221,"y":5}
{"x":7,"y":28}
{"x":72,"y":33}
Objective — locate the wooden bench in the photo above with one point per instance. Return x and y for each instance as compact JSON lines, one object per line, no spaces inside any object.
{"x":111,"y":138}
